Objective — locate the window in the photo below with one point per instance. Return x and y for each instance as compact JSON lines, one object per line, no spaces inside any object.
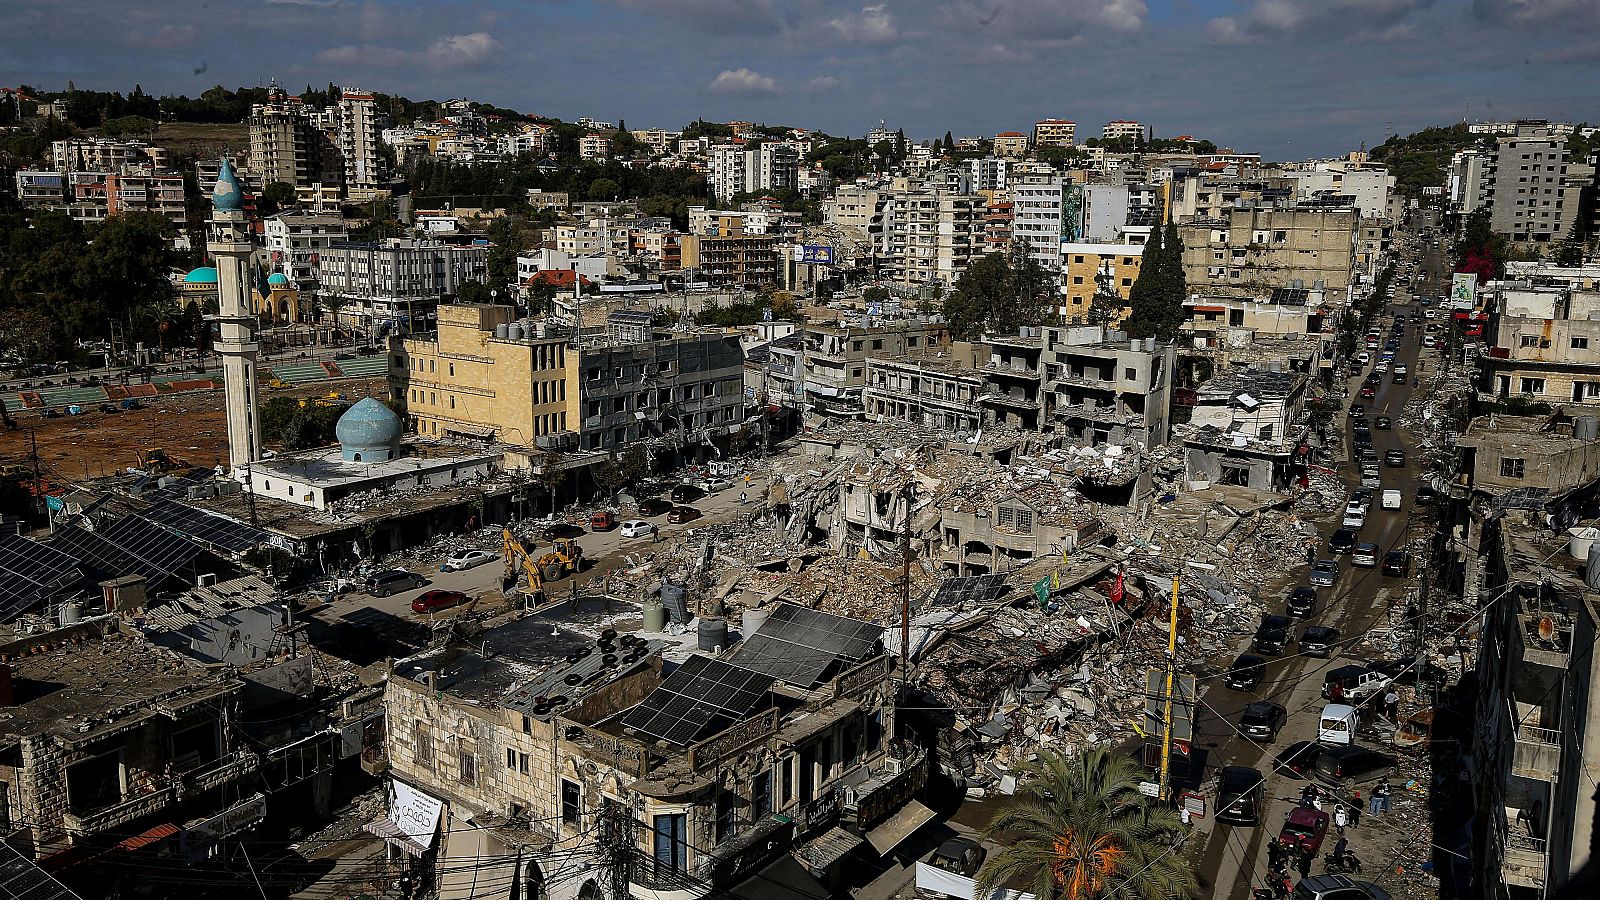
{"x":1024,"y":521}
{"x":761,"y":795}
{"x":1511,"y":468}
{"x":1580,"y":343}
{"x":452,"y":370}
{"x":857,"y":345}
{"x":877,"y":345}
{"x":469,"y":768}
{"x":522,"y":763}
{"x":511,"y":758}
{"x":1005,"y":516}
{"x":422,"y":743}
{"x":670,"y":841}
{"x":1529,"y":340}
{"x":724,"y":815}
{"x":788,"y":780}
{"x":1533,"y":385}
{"x":571,"y":802}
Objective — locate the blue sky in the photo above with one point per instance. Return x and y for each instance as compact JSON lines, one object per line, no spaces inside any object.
{"x":1286,"y":78}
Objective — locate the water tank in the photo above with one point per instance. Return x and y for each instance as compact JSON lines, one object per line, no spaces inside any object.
{"x":71,"y":613}
{"x":502,"y":331}
{"x":1579,"y":541}
{"x":514,"y":332}
{"x":753,"y":619}
{"x":1591,"y":568}
{"x":713,"y":634}
{"x":655,"y":617}
{"x":1586,"y":428}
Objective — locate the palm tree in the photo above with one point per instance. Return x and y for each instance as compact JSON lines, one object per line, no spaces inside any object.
{"x":1078,"y":829}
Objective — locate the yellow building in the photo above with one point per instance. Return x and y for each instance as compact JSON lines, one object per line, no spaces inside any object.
{"x":1010,"y":145}
{"x":1082,"y":266}
{"x":481,"y":377}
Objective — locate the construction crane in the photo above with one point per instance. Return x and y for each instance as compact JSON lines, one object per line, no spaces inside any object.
{"x":564,"y":557}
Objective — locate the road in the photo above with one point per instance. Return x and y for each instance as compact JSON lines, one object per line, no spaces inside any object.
{"x":1234,"y":860}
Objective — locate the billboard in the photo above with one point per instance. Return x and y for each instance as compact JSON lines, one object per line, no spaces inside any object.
{"x":816,"y":253}
{"x":1464,"y":288}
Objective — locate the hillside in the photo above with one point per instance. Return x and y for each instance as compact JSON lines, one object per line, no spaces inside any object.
{"x":1419,"y":160}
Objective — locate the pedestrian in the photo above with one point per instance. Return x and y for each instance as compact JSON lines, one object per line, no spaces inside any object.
{"x":1305,"y":864}
{"x":1311,"y":554}
{"x":1355,"y":810}
{"x":1380,"y":797}
{"x":1336,"y":693}
{"x":1391,"y":704}
{"x":1183,"y":816}
{"x":1275,"y":856}
{"x":1340,"y":818}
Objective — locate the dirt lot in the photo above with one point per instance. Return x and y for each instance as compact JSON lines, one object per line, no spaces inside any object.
{"x":202,"y":138}
{"x":190,"y":427}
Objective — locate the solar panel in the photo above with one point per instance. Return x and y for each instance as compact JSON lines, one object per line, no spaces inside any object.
{"x":30,"y":572}
{"x":130,"y":546}
{"x":206,"y":527}
{"x":970,"y":589}
{"x":700,"y":698}
{"x":22,"y":879}
{"x":798,"y":645}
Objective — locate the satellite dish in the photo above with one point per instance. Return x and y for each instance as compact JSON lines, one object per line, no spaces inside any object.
{"x":1547,"y":629}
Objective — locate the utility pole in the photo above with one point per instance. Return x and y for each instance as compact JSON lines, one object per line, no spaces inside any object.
{"x":905,"y":590}
{"x":1166,"y":710}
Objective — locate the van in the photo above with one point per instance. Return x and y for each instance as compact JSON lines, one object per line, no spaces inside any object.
{"x":1338,"y":724}
{"x":1391,"y":500}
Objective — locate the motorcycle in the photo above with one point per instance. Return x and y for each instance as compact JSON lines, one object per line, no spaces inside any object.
{"x":1343,"y":864}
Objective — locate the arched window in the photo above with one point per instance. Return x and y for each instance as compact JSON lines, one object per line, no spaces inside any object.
{"x":533,"y":887}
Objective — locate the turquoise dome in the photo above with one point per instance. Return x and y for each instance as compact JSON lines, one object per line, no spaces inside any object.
{"x":226,"y":195}
{"x":202,"y":275}
{"x":369,"y":432}
{"x":278,"y":279}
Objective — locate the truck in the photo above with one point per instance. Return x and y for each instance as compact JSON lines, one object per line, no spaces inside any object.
{"x":1391,"y":499}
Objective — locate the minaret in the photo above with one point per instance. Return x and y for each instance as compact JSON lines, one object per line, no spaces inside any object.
{"x":236,"y":343}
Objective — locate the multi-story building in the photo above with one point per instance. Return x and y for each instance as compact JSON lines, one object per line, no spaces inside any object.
{"x":682,"y":393}
{"x":1055,"y":133}
{"x":930,"y":237}
{"x":533,"y":138}
{"x":732,"y":258}
{"x":1252,"y":250}
{"x":397,"y":281}
{"x":1368,"y":188}
{"x":658,"y":140}
{"x":1086,"y":267}
{"x":997,"y":221}
{"x":1010,"y":145}
{"x":1282,"y":312}
{"x":1532,"y":190}
{"x":1102,"y":388}
{"x":825,"y":370}
{"x":933,"y":391}
{"x":296,"y":239}
{"x":594,"y":146}
{"x":1122,"y":130}
{"x":770,"y":167}
{"x":1465,"y":186}
{"x":1036,"y":217}
{"x":856,"y":208}
{"x":987,"y":173}
{"x":146,"y":190}
{"x":42,"y":189}
{"x":358,"y":129}
{"x":104,"y":155}
{"x":286,"y":143}
{"x":1245,"y":428}
{"x":1544,"y":342}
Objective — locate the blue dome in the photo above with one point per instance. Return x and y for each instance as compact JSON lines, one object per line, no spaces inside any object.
{"x":202,"y":275}
{"x":369,"y":432}
{"x":226,"y":196}
{"x":278,"y":279}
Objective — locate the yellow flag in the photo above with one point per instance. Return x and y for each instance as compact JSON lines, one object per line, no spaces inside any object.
{"x":1055,"y":580}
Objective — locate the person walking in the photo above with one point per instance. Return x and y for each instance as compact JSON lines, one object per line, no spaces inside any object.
{"x":1305,"y":864}
{"x":1355,"y":810}
{"x":1340,"y":818}
{"x":1391,"y":704}
{"x":1184,"y":817}
{"x":1380,"y":797}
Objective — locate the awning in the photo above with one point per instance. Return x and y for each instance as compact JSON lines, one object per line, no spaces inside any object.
{"x":413,"y":820}
{"x":389,"y":831}
{"x":899,"y":826}
{"x":783,"y":879}
{"x":164,"y":830}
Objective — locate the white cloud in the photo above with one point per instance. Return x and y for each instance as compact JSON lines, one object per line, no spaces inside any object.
{"x":822,"y":83}
{"x":872,"y":25}
{"x":462,"y":50}
{"x":456,"y":51}
{"x":742,"y":82}
{"x":1375,"y":20}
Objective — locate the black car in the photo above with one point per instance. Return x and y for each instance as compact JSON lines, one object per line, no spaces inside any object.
{"x":1426,"y":495}
{"x":1245,"y":673}
{"x":1297,"y":759}
{"x":1383,"y":423}
{"x":1241,"y":791}
{"x":1302,"y":602}
{"x":1319,"y":640}
{"x":1397,"y":563}
{"x":1342,"y":541}
{"x":962,"y":856}
{"x":1261,"y":720}
{"x":1273,"y":635}
{"x":562,"y":530}
{"x":1348,"y":763}
{"x":654,"y":506}
{"x":1363,"y":440}
{"x":1395,"y":459}
{"x":686,"y":493}
{"x":1357,"y":410}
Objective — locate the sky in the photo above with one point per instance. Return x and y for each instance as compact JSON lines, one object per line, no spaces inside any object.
{"x":1289,"y":79}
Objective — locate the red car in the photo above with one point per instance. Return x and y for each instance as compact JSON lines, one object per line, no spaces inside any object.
{"x":433,"y":601}
{"x":1367,"y":392}
{"x":1304,"y":830}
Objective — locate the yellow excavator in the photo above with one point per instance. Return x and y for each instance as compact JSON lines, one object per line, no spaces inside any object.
{"x":563,"y":558}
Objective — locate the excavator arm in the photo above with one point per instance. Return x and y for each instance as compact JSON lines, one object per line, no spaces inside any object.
{"x":519,"y":559}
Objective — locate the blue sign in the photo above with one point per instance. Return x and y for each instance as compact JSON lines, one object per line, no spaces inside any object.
{"x":816,"y":253}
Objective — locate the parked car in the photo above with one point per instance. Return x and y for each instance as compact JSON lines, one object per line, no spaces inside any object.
{"x":1245,"y":673}
{"x":110,"y":408}
{"x":1397,"y":563}
{"x":1338,"y":887}
{"x":1355,"y":681}
{"x":1355,"y":519}
{"x":604,"y":520}
{"x":681,"y":514}
{"x":958,"y":856}
{"x":712,"y":485}
{"x":1241,"y":792}
{"x":1350,"y":763}
{"x":1262,"y":720}
{"x":1302,"y":602}
{"x":1297,"y":759}
{"x":654,"y":506}
{"x":1304,"y":830}
{"x":436,"y":600}
{"x":1365,"y":555}
{"x":1395,"y":459}
{"x":1273,"y":636}
{"x":563,"y":530}
{"x":1426,"y":495}
{"x":1319,"y":640}
{"x":637,"y":528}
{"x":1354,"y":507}
{"x":1324,"y":573}
{"x":686,"y":493}
{"x":393,"y":581}
{"x":461,"y":560}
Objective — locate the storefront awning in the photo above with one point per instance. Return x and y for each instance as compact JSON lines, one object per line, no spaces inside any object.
{"x":783,"y":879}
{"x":413,"y":820}
{"x":899,"y":826}
{"x":389,"y":831}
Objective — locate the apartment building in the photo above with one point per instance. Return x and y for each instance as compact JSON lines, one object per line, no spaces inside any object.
{"x":296,"y":239}
{"x":1055,"y":133}
{"x":1036,"y":217}
{"x":1103,"y":212}
{"x":104,"y":155}
{"x":997,"y":221}
{"x":91,"y":196}
{"x":1282,"y":312}
{"x":856,"y":208}
{"x":1251,"y":250}
{"x":1544,"y":343}
{"x":287,"y":144}
{"x":397,"y":281}
{"x":768,"y":167}
{"x":1086,"y":266}
{"x":825,"y":370}
{"x":1367,"y":188}
{"x":1122,"y":130}
{"x":683,"y":393}
{"x":930,"y":237}
{"x":733,"y":258}
{"x":146,"y":190}
{"x":1246,"y":427}
{"x":988,"y":173}
{"x":1532,"y":190}
{"x":658,"y":140}
{"x":1011,"y":145}
{"x":1102,"y":388}
{"x":358,"y":129}
{"x":594,"y":146}
{"x":931,"y":390}
{"x":38,"y":189}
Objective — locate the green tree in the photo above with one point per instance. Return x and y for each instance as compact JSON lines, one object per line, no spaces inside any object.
{"x":875,"y":294}
{"x":540,"y":295}
{"x":604,"y":189}
{"x":1079,"y":829}
{"x":1106,"y":302}
{"x":1569,"y":253}
{"x":998,"y":293}
{"x":473,"y":292}
{"x":275,"y":198}
{"x":126,"y":126}
{"x":1155,"y":301}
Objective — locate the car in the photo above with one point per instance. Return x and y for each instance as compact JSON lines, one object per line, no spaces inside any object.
{"x":681,"y":514}
{"x":1362,"y":440}
{"x":1262,"y":720}
{"x":392,"y":581}
{"x":462,"y":560}
{"x":637,"y":528}
{"x":1383,"y":423}
{"x":1304,"y":830}
{"x":1355,"y":519}
{"x":1391,"y":499}
{"x":1365,"y":555}
{"x":686,"y":493}
{"x":1360,"y":496}
{"x":563,"y":530}
{"x":1368,"y":393}
{"x":52,"y":413}
{"x":1241,"y":792}
{"x":654,"y":506}
{"x":1297,"y":759}
{"x":1302,"y":602}
{"x":958,"y":856}
{"x":1356,"y":411}
{"x":1350,"y":763}
{"x":110,"y":408}
{"x":344,"y":357}
{"x":1245,"y":673}
{"x":712,"y":485}
{"x":368,"y":350}
{"x":1373,"y":378}
{"x":1319,"y":640}
{"x":1426,"y":495}
{"x":1272,"y":637}
{"x":603,"y":520}
{"x":436,"y":600}
{"x":1332,"y":886}
{"x":1363,"y":357}
{"x":1430,"y":342}
{"x":1399,"y":376}
{"x":1355,"y":508}
{"x":1342,"y":541}
{"x":1355,"y":681}
{"x":1324,"y":573}
{"x":1371,"y":479}
{"x":1397,"y":563}
{"x":1395,"y":459}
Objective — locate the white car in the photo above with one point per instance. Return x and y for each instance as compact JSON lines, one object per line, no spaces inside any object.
{"x":637,"y":528}
{"x":1355,"y":508}
{"x":461,"y":560}
{"x":1355,"y":518}
{"x":712,"y":485}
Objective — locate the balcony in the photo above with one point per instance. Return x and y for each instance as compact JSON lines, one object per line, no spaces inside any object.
{"x":645,"y":882}
{"x":1546,"y":638}
{"x":121,"y":813}
{"x":221,"y":772}
{"x":1017,"y":401}
{"x":1537,"y":754}
{"x":1522,"y":861}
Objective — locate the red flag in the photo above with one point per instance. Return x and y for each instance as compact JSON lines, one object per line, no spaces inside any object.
{"x":1116,"y":589}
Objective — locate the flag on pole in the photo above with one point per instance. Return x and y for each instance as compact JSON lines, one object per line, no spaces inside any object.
{"x":1055,"y":580}
{"x":1042,"y":589}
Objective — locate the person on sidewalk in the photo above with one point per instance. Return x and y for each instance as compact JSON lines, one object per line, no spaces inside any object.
{"x":1355,"y":809}
{"x":1380,"y":797}
{"x":1183,"y":816}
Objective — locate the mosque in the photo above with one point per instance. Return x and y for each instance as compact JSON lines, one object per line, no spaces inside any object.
{"x":281,"y":304}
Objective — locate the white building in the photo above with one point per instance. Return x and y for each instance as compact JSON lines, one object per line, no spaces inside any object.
{"x":1122,"y":130}
{"x":769,"y":167}
{"x":397,"y":281}
{"x":1036,"y":218}
{"x":930,"y":237}
{"x":594,"y":146}
{"x":531,"y":139}
{"x":358,"y":143}
{"x":296,"y":239}
{"x":988,"y":173}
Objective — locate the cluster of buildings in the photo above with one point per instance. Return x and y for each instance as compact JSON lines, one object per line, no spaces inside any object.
{"x":1521,"y":172}
{"x":329,"y":153}
{"x":91,"y":179}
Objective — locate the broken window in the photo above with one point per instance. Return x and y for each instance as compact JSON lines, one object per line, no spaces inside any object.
{"x":1005,"y":516}
{"x":1511,"y":468}
{"x":94,"y":783}
{"x":1235,"y":474}
{"x":1025,"y":521}
{"x":468,"y":773}
{"x":571,"y":802}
